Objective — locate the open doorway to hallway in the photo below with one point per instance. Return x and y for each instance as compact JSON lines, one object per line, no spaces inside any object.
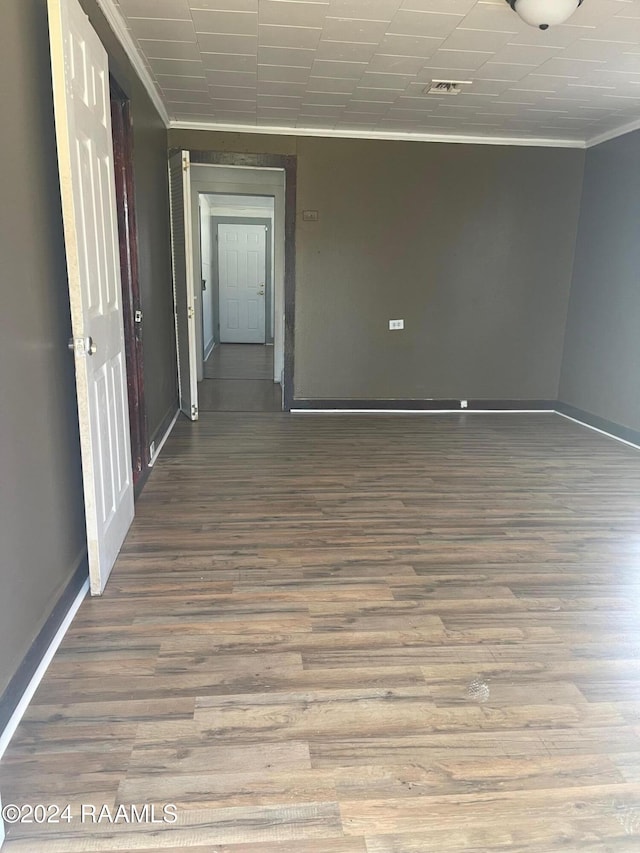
{"x":269,"y":320}
{"x":238,"y":378}
{"x":236,"y":271}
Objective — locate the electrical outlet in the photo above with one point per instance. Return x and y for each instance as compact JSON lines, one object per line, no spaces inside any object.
{"x":395,"y":325}
{"x":463,"y":404}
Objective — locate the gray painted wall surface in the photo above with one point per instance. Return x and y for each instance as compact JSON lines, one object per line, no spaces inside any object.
{"x":601,"y":364}
{"x":41,"y":508}
{"x":471,"y":245}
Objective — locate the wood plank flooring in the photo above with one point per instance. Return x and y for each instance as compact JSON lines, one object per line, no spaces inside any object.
{"x":356,"y":634}
{"x":239,"y":378}
{"x":240,"y":361}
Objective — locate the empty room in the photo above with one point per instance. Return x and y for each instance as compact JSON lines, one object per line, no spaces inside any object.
{"x":320,"y":433}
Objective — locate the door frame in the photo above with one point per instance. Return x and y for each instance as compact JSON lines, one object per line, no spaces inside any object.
{"x":216,"y":221}
{"x":289,"y":164}
{"x":122,"y":132}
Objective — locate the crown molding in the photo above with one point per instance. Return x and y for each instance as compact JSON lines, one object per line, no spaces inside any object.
{"x":115,"y":21}
{"x":461,"y":139}
{"x":613,"y":134}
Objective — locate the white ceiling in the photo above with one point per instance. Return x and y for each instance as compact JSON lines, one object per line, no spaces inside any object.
{"x":361,"y":66}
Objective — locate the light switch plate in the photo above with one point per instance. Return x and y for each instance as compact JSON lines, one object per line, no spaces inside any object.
{"x":310,"y":215}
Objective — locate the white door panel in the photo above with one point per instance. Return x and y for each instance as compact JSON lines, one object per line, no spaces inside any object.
{"x":183,"y":282}
{"x":242,"y":255}
{"x":85,"y":155}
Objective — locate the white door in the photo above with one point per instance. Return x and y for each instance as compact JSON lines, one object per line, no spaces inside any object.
{"x":183,"y":282}
{"x":242,"y":256}
{"x":85,"y":156}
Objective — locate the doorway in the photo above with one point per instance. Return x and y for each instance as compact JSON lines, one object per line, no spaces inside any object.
{"x":122,"y":135}
{"x":194,"y":176}
{"x":236,"y":237}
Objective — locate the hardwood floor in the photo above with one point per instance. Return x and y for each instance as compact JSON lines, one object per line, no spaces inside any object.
{"x":239,"y":378}
{"x":240,"y":361}
{"x":356,"y":634}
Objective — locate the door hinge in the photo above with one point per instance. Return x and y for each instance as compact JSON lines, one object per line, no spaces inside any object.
{"x":137,"y":317}
{"x":190,"y":312}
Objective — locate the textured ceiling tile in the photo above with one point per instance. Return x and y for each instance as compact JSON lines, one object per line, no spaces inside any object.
{"x":525,"y":55}
{"x":293,"y":14}
{"x":409,"y":45}
{"x":466,"y":60}
{"x":345,"y":51}
{"x":342,"y":29}
{"x":285,"y":56}
{"x":368,"y":10}
{"x":271,"y":87}
{"x":231,"y":78}
{"x":177,"y":67}
{"x":177,"y":9}
{"x":329,"y":68}
{"x":423,"y":24}
{"x":191,"y":84}
{"x":331,"y":84}
{"x":232,"y":92}
{"x":618,"y":29}
{"x":183,"y":96}
{"x":557,"y":37}
{"x":273,"y":35}
{"x":224,"y":5}
{"x":457,"y":7}
{"x":396,"y":64}
{"x":398,"y":82}
{"x":229,"y":62}
{"x":162,"y":30}
{"x":365,"y":64}
{"x":216,"y":43}
{"x":287,"y":74}
{"x":154,"y":49}
{"x":237,"y":23}
{"x":503,"y":71}
{"x":559,"y":67}
{"x":590,"y":49}
{"x":496,"y":18}
{"x":461,"y":39}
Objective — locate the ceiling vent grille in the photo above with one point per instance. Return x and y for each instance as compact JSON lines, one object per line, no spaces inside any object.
{"x":446,"y":87}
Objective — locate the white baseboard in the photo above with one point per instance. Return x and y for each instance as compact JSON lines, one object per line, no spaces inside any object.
{"x":160,"y":444}
{"x":27,"y":696}
{"x":601,"y":431}
{"x":422,"y":412}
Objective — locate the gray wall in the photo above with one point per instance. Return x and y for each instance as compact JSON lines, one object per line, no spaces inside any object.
{"x":41,"y":512}
{"x":471,"y":245}
{"x":601,"y":364}
{"x":42,"y":531}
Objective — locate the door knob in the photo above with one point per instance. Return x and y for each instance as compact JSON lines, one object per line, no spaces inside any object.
{"x":82,"y":346}
{"x":261,"y":291}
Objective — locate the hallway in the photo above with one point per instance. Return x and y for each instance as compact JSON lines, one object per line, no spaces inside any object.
{"x":338,"y":634}
{"x":239,"y":378}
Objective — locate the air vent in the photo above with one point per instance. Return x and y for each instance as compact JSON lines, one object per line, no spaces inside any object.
{"x":446,"y":87}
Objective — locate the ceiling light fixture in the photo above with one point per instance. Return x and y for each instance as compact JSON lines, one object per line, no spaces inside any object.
{"x":544,"y":13}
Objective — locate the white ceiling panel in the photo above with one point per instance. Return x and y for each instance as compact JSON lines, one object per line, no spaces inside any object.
{"x":364,"y":65}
